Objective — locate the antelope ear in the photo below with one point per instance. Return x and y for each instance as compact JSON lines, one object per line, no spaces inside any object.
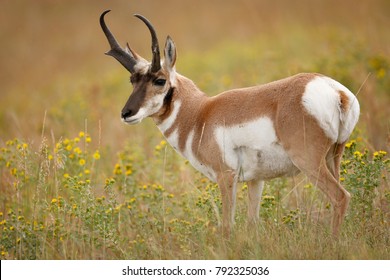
{"x":170,"y":54}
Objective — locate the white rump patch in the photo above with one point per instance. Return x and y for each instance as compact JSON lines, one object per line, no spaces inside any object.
{"x":321,"y":99}
{"x":350,"y":117}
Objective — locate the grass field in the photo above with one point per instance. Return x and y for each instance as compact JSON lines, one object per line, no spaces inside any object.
{"x":76,"y":183}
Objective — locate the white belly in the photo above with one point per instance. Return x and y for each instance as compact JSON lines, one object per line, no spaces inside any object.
{"x":253,"y":151}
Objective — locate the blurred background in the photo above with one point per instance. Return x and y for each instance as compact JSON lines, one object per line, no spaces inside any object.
{"x":54,"y":74}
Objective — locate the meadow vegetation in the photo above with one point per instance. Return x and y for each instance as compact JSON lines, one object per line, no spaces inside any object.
{"x":75,"y":183}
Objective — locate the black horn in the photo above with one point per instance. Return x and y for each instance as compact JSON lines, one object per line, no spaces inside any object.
{"x":156,"y":64}
{"x":117,"y":51}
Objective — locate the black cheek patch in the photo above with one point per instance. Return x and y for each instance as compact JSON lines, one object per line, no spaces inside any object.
{"x":168,"y":97}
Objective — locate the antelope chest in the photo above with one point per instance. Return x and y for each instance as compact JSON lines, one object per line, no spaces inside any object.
{"x":188,"y":153}
{"x":253,"y":150}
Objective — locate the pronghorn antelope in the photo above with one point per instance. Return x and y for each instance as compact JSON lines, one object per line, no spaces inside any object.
{"x":300,"y":123}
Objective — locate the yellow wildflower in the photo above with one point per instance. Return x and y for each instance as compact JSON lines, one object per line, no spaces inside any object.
{"x":117,"y":169}
{"x":81,"y":183}
{"x":96,"y":155}
{"x":381,"y":73}
{"x":204,"y":180}
{"x":379,"y":154}
{"x":77,"y":150}
{"x":158,"y":187}
{"x":268,"y":197}
{"x":118,"y":208}
{"x":23,"y":146}
{"x":13,"y":171}
{"x":357,"y":155}
{"x":110,"y":181}
{"x":81,"y":134}
{"x":163,"y":142}
{"x":82,"y":162}
{"x":9,"y":143}
{"x":88,"y":139}
{"x":350,"y":144}
{"x":54,"y":200}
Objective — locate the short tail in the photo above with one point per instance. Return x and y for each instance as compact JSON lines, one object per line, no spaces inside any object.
{"x":349,"y":115}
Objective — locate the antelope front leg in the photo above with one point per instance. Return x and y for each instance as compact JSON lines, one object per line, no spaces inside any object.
{"x":255,"y":190}
{"x":227,"y":185}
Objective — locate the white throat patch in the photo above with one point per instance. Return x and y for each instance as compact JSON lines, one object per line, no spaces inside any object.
{"x":168,"y":122}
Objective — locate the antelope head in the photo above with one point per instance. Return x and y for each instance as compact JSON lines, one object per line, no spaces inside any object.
{"x":153,"y":82}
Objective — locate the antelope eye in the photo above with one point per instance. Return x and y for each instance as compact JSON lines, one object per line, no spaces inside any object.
{"x":159,"y":82}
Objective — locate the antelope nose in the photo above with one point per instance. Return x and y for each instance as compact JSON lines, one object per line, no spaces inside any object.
{"x":126,"y":113}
